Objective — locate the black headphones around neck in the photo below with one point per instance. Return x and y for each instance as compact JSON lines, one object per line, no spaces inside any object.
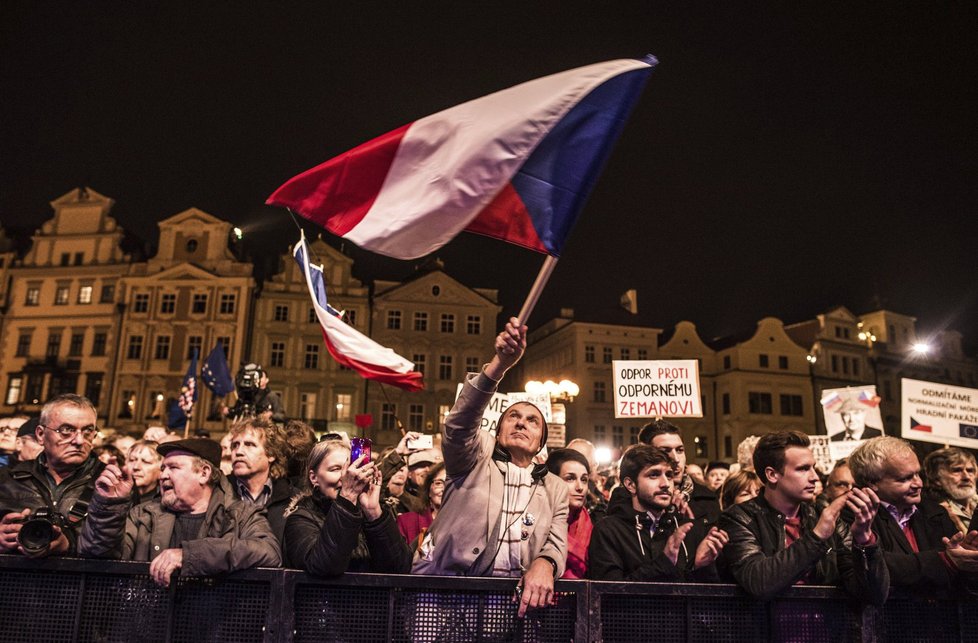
{"x":538,"y":473}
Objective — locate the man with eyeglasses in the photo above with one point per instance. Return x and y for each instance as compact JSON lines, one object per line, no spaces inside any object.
{"x":59,"y":483}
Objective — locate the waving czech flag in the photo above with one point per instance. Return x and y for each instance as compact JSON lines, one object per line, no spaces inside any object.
{"x":516,"y":165}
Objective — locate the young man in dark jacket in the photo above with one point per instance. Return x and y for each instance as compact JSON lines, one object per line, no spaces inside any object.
{"x":690,"y":498}
{"x":648,"y":540}
{"x":777,"y":539}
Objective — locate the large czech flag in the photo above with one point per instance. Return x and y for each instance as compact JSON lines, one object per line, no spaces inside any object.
{"x":347,"y":345}
{"x":516,"y":165}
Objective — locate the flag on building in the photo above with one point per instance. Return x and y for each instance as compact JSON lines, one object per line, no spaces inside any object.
{"x":347,"y":345}
{"x":188,"y":392}
{"x":515,"y":165}
{"x":215,"y":372}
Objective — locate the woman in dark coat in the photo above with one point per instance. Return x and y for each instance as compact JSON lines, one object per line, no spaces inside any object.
{"x":339,"y":524}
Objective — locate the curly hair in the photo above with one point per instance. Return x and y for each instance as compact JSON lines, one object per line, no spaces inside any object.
{"x":273,"y":440}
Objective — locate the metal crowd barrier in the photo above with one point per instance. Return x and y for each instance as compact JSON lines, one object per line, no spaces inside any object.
{"x":63,"y":599}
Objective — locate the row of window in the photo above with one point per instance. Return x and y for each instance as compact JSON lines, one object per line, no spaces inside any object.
{"x":607,"y":354}
{"x":62,"y":294}
{"x":848,"y":364}
{"x":30,"y":389}
{"x":163,"y":345}
{"x":446,"y":322}
{"x":416,"y":420}
{"x":198,"y":303}
{"x":282,"y":313}
{"x":763,"y":361}
{"x":76,"y":344}
{"x":762,"y":404}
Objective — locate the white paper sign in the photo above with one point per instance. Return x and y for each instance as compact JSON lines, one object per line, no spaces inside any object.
{"x":657,"y":388}
{"x":939,"y":413}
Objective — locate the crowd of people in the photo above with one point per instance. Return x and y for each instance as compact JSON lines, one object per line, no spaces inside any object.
{"x":272,"y":494}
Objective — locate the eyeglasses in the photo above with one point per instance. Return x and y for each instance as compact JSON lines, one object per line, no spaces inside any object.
{"x":437,"y":484}
{"x":7,"y":429}
{"x":67,"y":432}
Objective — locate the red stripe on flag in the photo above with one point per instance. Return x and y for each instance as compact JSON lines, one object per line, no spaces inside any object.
{"x":338,"y":193}
{"x":410,"y":381}
{"x":506,"y":218}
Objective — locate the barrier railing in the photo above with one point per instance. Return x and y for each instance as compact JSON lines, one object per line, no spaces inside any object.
{"x":84,"y":600}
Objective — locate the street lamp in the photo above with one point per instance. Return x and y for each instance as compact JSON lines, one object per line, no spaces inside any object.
{"x":921,"y":348}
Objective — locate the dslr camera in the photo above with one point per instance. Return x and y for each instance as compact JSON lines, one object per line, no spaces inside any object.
{"x":37,"y":532}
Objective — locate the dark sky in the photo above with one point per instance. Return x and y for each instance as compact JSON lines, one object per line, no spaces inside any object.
{"x":785,"y":157}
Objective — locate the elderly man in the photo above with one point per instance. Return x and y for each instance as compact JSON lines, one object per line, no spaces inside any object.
{"x":951,"y":482}
{"x":58,"y":483}
{"x":259,"y":460}
{"x":777,"y":539}
{"x":501,"y":515}
{"x":195,"y":526}
{"x":915,"y":535}
{"x":853,"y":415}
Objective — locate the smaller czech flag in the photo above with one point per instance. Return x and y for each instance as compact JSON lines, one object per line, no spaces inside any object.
{"x":348,"y":346}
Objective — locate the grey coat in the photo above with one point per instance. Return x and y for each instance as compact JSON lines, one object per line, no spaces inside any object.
{"x":463,"y":539}
{"x":237,"y":535}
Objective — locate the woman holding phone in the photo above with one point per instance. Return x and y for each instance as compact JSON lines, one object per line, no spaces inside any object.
{"x":338,"y":523}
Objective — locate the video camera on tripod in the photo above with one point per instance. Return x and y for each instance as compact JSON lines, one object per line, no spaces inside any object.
{"x":247,"y":385}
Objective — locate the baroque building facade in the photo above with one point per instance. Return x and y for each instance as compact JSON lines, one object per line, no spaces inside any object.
{"x":61,"y":323}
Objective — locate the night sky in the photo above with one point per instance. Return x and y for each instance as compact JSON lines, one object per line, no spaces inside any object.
{"x":784,"y":159}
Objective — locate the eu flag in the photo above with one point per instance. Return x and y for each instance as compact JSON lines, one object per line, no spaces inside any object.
{"x":215,"y":372}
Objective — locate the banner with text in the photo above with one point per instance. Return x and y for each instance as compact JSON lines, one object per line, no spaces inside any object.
{"x":657,"y":388}
{"x":939,"y":413}
{"x":501,"y":401}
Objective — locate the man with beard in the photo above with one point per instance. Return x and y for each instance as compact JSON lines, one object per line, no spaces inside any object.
{"x":196,"y":525}
{"x":924,"y":551}
{"x":644,"y":541}
{"x":951,"y":482}
{"x":59,"y":480}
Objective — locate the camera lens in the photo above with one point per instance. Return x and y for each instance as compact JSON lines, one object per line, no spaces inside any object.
{"x":35,"y":535}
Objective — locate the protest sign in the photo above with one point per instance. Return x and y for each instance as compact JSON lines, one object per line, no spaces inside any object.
{"x":939,"y":413}
{"x":657,"y":388}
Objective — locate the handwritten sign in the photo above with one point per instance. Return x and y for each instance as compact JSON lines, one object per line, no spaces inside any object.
{"x":657,"y":388}
{"x":501,"y":401}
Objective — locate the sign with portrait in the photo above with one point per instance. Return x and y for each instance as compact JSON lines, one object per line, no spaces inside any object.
{"x":851,"y":415}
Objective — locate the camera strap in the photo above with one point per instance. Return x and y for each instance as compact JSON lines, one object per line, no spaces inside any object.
{"x":80,"y":509}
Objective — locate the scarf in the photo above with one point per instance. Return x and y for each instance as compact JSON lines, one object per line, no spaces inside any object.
{"x":516,"y":498}
{"x":578,"y":539}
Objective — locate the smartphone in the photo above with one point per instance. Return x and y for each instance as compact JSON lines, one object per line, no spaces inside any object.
{"x":424,"y":442}
{"x":359,"y":447}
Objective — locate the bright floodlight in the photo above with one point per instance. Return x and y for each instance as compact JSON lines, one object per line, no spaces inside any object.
{"x":602,"y":455}
{"x":238,"y":232}
{"x":921,"y":348}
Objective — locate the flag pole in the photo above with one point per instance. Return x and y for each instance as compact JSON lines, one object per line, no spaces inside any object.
{"x":542,"y":277}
